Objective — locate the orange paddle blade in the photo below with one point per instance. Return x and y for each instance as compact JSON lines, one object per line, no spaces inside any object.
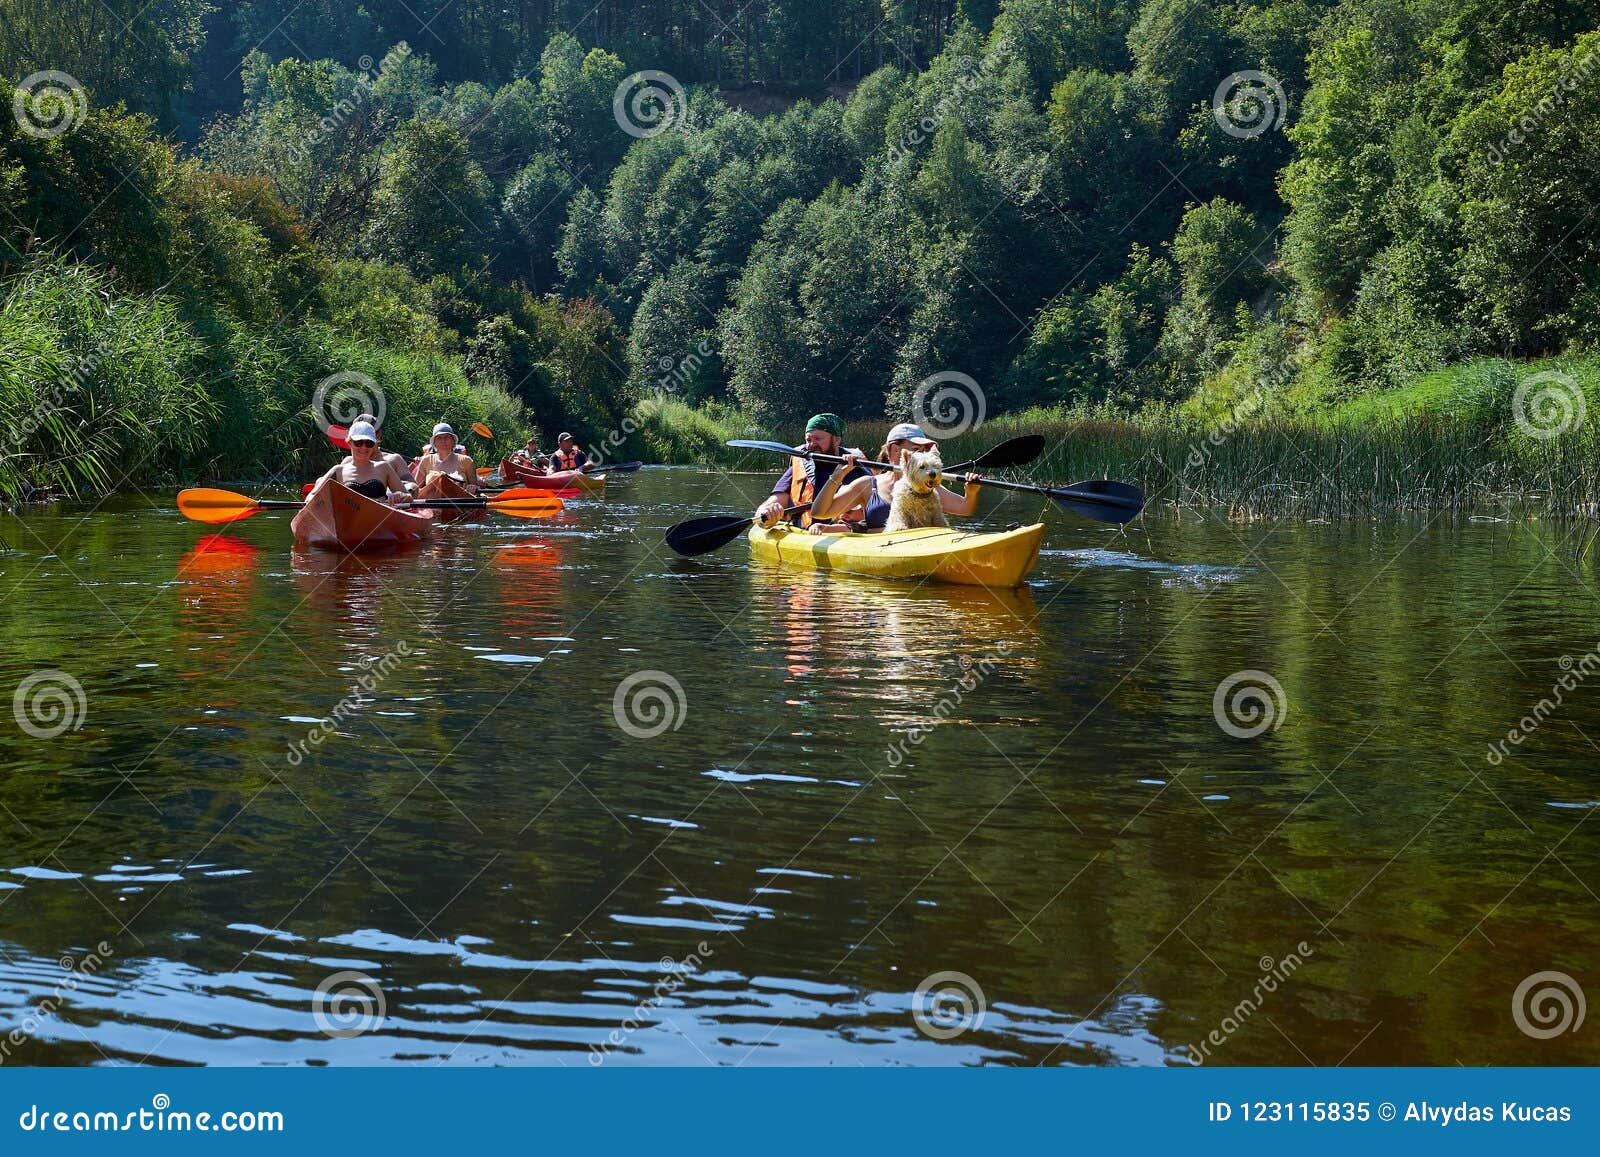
{"x":516,"y":492}
{"x":482,"y":431}
{"x":215,"y":506}
{"x":542,"y":505}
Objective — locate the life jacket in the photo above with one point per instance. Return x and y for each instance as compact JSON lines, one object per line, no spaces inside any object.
{"x":803,"y":488}
{"x":562,"y":460}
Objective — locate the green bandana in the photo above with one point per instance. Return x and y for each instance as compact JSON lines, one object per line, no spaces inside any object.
{"x":832,"y":423}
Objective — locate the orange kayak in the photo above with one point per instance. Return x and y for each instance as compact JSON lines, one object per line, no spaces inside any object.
{"x":443,"y":486}
{"x":337,"y":517}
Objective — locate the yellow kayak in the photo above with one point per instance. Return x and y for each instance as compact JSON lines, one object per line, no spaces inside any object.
{"x":942,"y":553}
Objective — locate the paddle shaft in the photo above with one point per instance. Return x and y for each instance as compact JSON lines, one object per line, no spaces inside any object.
{"x":1048,"y":491}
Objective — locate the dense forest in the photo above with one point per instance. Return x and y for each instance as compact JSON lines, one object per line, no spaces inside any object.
{"x":662,"y":219}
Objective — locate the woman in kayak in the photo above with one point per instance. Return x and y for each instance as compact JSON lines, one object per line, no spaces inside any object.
{"x":874,"y":491}
{"x":442,"y":458}
{"x":367,"y":471}
{"x":398,"y":461}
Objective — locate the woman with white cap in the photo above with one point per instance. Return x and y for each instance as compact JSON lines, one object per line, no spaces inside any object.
{"x":442,"y":458}
{"x":874,"y":492}
{"x":367,"y":471}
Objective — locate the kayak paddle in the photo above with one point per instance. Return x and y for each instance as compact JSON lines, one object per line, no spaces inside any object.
{"x":1099,"y":499}
{"x":700,"y":536}
{"x":217,"y":506}
{"x":1020,"y":451}
{"x":339,"y":436}
{"x":482,"y":431}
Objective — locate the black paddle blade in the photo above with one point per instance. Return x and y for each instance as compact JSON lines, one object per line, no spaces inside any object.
{"x":757,"y":444}
{"x":703,"y":535}
{"x":1100,"y":499}
{"x":1012,"y":452}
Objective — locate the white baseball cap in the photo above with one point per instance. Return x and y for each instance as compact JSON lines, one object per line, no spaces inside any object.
{"x":909,"y":432}
{"x":362,"y":432}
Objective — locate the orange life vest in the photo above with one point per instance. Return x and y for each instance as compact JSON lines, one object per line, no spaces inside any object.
{"x":801,"y":492}
{"x":562,"y":460}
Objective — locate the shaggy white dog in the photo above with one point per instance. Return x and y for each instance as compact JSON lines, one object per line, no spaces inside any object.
{"x":914,"y":501}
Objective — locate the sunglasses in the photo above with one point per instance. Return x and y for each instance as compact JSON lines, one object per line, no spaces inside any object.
{"x":369,"y":445}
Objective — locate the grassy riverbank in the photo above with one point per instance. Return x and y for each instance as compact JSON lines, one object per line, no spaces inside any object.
{"x":1443,"y":440}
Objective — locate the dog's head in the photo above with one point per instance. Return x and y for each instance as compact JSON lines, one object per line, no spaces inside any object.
{"x":922,"y":469}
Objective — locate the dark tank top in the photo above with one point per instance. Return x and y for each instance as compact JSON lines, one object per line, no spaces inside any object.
{"x":877,"y":514}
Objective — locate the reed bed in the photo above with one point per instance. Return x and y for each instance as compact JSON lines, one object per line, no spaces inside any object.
{"x":1286,"y":467}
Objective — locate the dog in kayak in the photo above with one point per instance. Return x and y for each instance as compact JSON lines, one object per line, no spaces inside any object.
{"x":914,"y":501}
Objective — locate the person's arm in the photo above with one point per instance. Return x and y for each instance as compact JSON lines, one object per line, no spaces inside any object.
{"x":964,"y":505}
{"x":834,"y":499}
{"x":469,"y":471}
{"x":768,"y":512}
{"x":419,"y":469}
{"x":398,"y":484}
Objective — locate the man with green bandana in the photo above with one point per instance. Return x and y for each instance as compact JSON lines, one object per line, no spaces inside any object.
{"x":799,"y":484}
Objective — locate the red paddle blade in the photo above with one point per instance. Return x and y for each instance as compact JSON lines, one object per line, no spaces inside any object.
{"x":339,"y":436}
{"x":305,"y":491}
{"x":215,"y":506}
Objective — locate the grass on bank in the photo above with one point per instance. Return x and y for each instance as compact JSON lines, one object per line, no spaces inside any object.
{"x":100,"y":390}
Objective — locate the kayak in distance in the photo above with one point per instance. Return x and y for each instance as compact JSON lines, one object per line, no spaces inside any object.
{"x":513,"y":473}
{"x":338,"y":518}
{"x":983,"y":559}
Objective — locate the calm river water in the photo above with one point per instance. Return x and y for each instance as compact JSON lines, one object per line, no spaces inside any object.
{"x":1028,"y":805}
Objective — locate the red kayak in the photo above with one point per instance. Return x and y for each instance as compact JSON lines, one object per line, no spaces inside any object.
{"x":513,"y":472}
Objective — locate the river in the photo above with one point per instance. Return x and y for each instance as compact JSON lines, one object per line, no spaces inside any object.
{"x":542,"y":792}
